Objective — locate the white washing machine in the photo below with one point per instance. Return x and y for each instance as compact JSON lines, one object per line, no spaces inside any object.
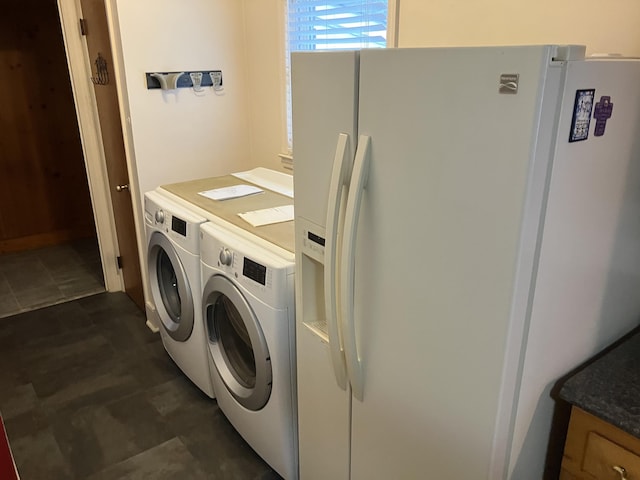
{"x":173,"y":263}
{"x":248,"y":308}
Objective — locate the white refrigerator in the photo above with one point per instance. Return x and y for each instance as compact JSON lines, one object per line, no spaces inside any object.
{"x":467,"y":232}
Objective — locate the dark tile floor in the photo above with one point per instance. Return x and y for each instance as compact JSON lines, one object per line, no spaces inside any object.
{"x":48,"y":276}
{"x":88,"y":392}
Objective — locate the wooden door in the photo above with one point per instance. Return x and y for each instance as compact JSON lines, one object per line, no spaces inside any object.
{"x":97,"y":36}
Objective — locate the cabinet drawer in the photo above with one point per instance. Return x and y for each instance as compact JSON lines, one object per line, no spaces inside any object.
{"x":602,"y":455}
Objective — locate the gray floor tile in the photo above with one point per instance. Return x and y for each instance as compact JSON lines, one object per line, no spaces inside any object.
{"x":104,"y":308}
{"x":80,"y":287}
{"x":5,"y":289}
{"x":95,"y":268}
{"x":69,"y":357}
{"x":28,"y":423}
{"x":93,"y":438}
{"x":87,"y":249}
{"x":206,"y":432}
{"x":7,"y":333}
{"x":45,"y":323}
{"x":151,"y":365}
{"x":224,"y":453}
{"x":40,"y":296}
{"x":58,"y":258}
{"x":70,"y":272}
{"x":126,"y":331}
{"x":170,"y":398}
{"x":168,"y":461}
{"x":38,"y":456}
{"x":18,"y":400}
{"x":88,"y":390}
{"x":96,"y":390}
{"x":49,"y":275}
{"x":30,"y":276}
{"x":9,"y":305}
{"x":10,"y":262}
{"x":12,"y":373}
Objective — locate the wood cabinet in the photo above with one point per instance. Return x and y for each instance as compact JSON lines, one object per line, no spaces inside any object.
{"x":597,"y":450}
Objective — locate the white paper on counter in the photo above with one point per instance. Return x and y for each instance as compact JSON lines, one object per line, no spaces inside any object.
{"x":267,"y":216}
{"x":234,"y":191}
{"x":279,"y":182}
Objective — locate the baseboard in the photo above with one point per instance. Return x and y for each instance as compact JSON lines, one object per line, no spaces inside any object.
{"x":40,"y":240}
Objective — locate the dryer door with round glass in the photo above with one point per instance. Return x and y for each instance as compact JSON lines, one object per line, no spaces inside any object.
{"x":237,"y":344}
{"x":170,"y":288}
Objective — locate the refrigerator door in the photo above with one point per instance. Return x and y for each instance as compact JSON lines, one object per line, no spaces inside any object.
{"x":324,"y":95}
{"x":588,"y":277}
{"x":439,"y":242}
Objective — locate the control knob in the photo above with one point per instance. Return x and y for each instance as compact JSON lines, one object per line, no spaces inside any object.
{"x":159,"y":216}
{"x":226,"y":257}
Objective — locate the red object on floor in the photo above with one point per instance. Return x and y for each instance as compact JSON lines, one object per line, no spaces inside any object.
{"x":7,"y":467}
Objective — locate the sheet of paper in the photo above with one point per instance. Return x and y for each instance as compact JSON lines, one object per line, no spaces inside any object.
{"x":278,"y":182}
{"x":267,"y":216}
{"x":234,"y":191}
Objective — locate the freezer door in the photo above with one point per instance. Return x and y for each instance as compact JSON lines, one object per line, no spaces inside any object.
{"x":324,"y":87}
{"x":438,"y":247}
{"x":324,"y":100}
{"x":589,"y":271}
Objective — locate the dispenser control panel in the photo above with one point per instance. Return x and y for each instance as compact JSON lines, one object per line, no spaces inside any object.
{"x":313,"y":239}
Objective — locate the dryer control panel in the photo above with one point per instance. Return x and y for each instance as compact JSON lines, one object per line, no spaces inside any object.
{"x":254,"y":271}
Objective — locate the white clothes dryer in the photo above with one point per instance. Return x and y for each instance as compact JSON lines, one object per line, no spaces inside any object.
{"x":248,"y":309}
{"x":173,"y":263}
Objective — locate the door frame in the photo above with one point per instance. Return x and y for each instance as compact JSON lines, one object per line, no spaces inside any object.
{"x":80,"y":73}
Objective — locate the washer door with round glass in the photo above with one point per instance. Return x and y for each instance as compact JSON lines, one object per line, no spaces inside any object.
{"x":237,"y":344}
{"x":170,"y":288}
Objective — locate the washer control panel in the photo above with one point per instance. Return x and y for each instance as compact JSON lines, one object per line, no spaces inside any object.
{"x":178,"y":224}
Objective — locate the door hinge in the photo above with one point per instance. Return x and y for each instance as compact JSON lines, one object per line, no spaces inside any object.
{"x":119,"y":261}
{"x":83,"y":26}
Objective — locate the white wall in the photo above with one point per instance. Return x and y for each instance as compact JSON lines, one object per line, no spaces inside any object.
{"x":610,"y":27}
{"x":264,"y":27}
{"x":181,"y":136}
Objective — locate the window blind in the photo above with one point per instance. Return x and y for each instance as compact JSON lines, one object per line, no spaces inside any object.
{"x":346,"y":24}
{"x":338,"y":25}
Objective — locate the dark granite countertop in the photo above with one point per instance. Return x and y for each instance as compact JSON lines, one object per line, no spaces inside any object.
{"x":609,"y":388}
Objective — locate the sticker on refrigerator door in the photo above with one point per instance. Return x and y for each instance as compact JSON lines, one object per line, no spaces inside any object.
{"x":602,"y":112}
{"x":582,"y":109}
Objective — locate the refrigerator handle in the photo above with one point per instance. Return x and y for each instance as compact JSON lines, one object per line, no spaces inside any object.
{"x":356,"y":190}
{"x":341,"y":162}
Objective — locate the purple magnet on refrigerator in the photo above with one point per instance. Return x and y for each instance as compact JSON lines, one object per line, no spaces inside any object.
{"x":602,"y":112}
